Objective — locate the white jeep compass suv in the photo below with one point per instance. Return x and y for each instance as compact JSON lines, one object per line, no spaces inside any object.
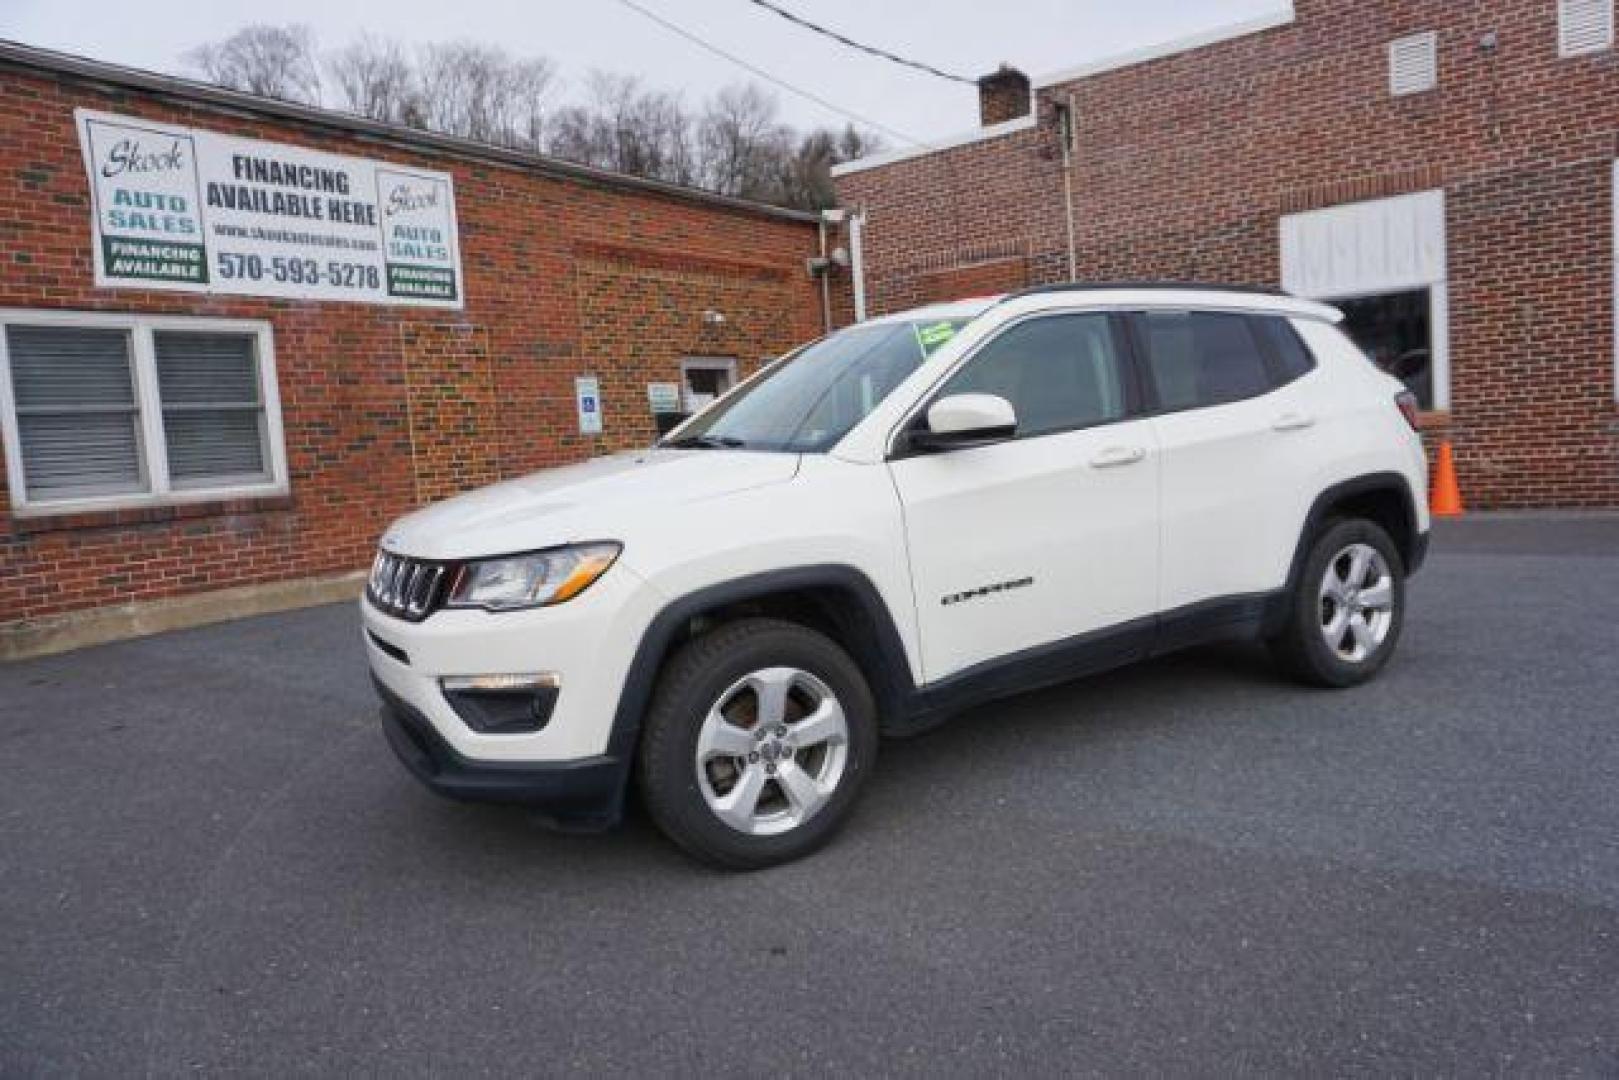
{"x":909,"y":516}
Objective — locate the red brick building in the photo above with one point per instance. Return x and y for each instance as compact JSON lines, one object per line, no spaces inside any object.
{"x":1445,"y":170}
{"x":161,"y":442}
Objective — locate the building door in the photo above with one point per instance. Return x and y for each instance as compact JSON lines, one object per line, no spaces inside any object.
{"x":1384,"y":263}
{"x":703,"y":379}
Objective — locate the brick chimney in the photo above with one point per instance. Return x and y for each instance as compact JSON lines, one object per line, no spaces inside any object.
{"x":1003,"y":95}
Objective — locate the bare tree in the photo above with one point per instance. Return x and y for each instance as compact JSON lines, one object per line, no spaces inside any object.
{"x":736,"y":145}
{"x":272,"y":61}
{"x":743,"y":144}
{"x":627,"y":128}
{"x":375,"y":78}
{"x":482,"y":92}
{"x":805,"y":176}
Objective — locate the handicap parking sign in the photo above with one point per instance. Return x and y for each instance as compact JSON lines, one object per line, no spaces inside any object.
{"x":587,"y":393}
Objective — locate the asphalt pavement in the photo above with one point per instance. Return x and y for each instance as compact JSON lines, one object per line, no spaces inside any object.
{"x":209,"y":861}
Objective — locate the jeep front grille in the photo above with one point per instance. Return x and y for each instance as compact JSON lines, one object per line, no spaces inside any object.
{"x":405,"y":588}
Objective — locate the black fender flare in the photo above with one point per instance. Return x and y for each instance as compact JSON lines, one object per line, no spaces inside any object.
{"x":882,"y":654}
{"x":1414,"y":547}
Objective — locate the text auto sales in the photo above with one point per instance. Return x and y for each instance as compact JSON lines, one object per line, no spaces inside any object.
{"x":333,"y":184}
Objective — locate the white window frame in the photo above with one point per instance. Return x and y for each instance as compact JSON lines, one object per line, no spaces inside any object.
{"x":1435,"y":279}
{"x":726,"y":364}
{"x":1603,"y":45}
{"x":1438,"y":330}
{"x":149,"y":409}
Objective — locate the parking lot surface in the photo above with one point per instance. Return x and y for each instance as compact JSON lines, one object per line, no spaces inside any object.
{"x":209,"y":860}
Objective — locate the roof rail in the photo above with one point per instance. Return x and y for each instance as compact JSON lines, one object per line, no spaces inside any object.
{"x":1177,"y":286}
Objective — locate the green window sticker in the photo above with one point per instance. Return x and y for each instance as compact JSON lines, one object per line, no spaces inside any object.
{"x":934,"y":335}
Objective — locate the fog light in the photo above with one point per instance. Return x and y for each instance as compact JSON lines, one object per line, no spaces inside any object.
{"x":503,"y":704}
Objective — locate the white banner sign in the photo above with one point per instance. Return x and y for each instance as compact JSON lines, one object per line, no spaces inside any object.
{"x":177,"y":208}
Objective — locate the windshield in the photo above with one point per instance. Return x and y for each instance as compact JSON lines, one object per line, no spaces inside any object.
{"x":810,"y":399}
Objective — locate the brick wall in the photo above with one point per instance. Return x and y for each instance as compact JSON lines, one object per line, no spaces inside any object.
{"x":386,"y":407}
{"x":1185,"y":164}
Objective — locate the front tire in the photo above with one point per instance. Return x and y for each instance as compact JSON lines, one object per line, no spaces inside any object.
{"x":759,"y":738}
{"x":1347,"y":610}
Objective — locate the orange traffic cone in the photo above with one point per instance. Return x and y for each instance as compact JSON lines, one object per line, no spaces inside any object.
{"x":1445,"y":496}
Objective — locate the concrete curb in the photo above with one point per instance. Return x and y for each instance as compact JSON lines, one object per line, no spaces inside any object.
{"x":78,"y":629}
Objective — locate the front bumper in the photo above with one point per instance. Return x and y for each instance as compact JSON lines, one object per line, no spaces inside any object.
{"x":574,"y":763}
{"x":583,"y":794}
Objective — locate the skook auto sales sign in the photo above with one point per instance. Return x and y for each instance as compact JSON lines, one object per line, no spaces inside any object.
{"x":177,"y":208}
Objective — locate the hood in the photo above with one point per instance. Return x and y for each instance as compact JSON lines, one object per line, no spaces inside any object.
{"x":593,"y":500}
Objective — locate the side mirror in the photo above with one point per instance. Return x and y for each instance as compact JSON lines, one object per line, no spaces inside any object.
{"x":965,"y":420}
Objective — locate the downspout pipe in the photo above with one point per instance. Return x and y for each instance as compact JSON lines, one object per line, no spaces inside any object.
{"x":826,"y":284}
{"x":857,"y":262}
{"x":1065,"y":131}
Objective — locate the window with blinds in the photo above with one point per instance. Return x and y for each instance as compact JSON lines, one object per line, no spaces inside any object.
{"x":213,"y":418}
{"x":78,"y":426}
{"x":104,"y":410}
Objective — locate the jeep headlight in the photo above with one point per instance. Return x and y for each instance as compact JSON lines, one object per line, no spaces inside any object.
{"x":535,"y":579}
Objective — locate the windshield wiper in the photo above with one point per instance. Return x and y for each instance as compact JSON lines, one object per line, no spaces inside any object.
{"x":704,"y":442}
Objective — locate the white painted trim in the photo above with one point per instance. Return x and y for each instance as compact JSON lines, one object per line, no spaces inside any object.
{"x":154,"y":466}
{"x":948,"y":142}
{"x":1158,"y":51}
{"x":1439,"y":333}
{"x":154,"y":457}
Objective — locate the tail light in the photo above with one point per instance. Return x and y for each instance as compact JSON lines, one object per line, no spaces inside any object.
{"x":1406,"y":401}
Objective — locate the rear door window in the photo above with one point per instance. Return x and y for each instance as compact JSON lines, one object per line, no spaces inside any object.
{"x":1198,"y":358}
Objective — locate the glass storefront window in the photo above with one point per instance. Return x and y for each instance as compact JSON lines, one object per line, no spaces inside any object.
{"x":1396,"y":331}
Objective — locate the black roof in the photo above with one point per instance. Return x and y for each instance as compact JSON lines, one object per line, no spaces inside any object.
{"x":1178,"y":286}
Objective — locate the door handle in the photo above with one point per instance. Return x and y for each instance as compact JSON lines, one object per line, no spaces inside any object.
{"x":1115,"y":456}
{"x":1292,"y":421}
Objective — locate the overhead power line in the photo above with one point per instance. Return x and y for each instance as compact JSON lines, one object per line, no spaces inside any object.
{"x":853,"y":44}
{"x":755,"y":69}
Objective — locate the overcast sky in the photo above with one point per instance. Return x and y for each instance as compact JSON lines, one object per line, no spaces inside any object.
{"x":967,"y":36}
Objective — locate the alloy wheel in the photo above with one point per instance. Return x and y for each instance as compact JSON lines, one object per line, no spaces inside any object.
{"x":772,"y":750}
{"x":1357,"y":602}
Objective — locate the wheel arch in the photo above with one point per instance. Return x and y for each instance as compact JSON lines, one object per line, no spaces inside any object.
{"x":1385,"y":498}
{"x":840,"y":601}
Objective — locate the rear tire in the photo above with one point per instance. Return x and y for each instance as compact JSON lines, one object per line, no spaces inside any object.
{"x":1346,"y":612}
{"x":758,"y":741}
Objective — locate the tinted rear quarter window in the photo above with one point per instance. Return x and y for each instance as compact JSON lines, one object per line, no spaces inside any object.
{"x":1288,"y":351}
